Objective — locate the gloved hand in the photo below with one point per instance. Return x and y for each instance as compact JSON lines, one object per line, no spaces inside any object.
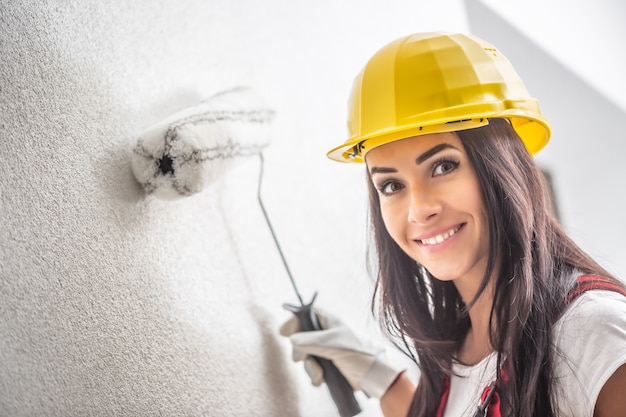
{"x":363,"y":362}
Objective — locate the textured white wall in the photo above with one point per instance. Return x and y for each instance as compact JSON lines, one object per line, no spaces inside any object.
{"x":114,"y":303}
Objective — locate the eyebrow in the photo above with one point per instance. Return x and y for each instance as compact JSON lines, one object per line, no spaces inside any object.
{"x":419,"y":160}
{"x":433,"y":151}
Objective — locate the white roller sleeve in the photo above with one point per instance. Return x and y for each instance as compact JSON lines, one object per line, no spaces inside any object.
{"x":183,"y":154}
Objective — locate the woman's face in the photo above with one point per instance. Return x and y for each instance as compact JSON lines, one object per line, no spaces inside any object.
{"x":431,"y":204}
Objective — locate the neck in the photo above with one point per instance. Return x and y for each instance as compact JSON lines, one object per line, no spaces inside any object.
{"x":477,"y":345}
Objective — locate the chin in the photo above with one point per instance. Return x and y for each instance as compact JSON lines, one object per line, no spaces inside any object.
{"x":439,"y":275}
{"x":443,"y":277}
{"x":446,"y":274}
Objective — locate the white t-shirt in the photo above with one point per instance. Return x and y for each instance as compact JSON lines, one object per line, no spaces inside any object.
{"x":590,"y":340}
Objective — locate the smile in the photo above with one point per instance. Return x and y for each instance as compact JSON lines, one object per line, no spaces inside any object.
{"x":435,"y":240}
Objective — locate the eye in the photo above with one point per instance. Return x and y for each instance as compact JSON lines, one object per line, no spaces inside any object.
{"x":389,"y":187}
{"x":443,"y":166}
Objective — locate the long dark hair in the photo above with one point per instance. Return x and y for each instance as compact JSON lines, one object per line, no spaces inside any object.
{"x":538,"y":262}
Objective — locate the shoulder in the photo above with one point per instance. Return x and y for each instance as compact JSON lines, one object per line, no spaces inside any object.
{"x":593,"y":308}
{"x":592,"y":296}
{"x":593,"y":319}
{"x":590,"y":344}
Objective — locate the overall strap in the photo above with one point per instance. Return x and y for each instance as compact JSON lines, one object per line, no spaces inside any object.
{"x":489,"y":401}
{"x":444,"y":398}
{"x":593,"y":282}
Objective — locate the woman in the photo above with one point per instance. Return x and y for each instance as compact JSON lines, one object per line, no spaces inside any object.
{"x":498,"y":306}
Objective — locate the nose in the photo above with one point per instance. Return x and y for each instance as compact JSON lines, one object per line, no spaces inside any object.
{"x":424,"y":206}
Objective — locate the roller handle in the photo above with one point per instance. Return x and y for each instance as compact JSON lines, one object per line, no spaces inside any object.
{"x":339,"y":387}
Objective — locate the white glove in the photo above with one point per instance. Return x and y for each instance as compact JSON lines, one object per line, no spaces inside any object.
{"x":363,"y":362}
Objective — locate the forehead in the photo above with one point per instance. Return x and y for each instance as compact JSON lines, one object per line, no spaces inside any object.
{"x":410,"y":147}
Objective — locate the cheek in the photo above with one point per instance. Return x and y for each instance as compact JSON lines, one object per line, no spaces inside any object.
{"x":393,"y":220}
{"x":475,"y":204}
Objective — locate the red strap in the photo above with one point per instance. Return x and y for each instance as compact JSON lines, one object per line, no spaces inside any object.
{"x":593,"y":282}
{"x":493,"y":410}
{"x":444,"y":398}
{"x":583,"y":283}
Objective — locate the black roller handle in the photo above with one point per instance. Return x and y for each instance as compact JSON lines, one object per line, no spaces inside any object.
{"x":340,"y":389}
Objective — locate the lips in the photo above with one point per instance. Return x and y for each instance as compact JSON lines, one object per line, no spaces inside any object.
{"x":441,"y":237}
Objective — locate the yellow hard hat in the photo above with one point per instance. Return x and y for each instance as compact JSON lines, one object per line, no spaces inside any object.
{"x":436,"y":82}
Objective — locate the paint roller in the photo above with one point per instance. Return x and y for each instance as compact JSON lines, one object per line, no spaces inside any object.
{"x":189,"y":150}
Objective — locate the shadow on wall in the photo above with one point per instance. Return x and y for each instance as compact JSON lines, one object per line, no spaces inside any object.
{"x":112,"y":304}
{"x":584,"y":157}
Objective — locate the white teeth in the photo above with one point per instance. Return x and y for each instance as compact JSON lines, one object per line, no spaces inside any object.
{"x":439,"y":238}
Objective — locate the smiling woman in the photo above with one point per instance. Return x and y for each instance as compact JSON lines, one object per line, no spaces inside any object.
{"x":476,"y":279}
{"x":431,"y":204}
